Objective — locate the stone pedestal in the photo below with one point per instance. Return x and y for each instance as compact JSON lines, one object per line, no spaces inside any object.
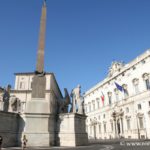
{"x":37,"y":105}
{"x":71,"y":130}
{"x":39,"y":129}
{"x":39,"y":123}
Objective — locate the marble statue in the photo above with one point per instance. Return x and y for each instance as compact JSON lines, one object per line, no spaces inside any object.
{"x":63,"y":103}
{"x":77,"y":100}
{"x":6,"y":97}
{"x":15,"y":103}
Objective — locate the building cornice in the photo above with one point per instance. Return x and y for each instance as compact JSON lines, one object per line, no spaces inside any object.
{"x":30,"y":73}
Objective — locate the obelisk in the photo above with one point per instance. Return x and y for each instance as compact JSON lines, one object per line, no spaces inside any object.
{"x":38,"y":119}
{"x":40,"y":54}
{"x":39,"y":79}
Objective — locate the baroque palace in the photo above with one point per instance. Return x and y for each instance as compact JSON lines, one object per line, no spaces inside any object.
{"x":119,"y":106}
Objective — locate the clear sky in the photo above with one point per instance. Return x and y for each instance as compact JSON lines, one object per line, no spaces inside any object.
{"x":83,"y":37}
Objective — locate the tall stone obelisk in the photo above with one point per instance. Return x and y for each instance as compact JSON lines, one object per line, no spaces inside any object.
{"x":38,"y":121}
{"x":40,"y":54}
{"x":39,"y":79}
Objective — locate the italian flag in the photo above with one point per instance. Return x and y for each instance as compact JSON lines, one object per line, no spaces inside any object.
{"x":102,"y":97}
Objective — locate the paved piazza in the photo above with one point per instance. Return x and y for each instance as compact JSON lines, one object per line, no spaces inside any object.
{"x":118,"y":146}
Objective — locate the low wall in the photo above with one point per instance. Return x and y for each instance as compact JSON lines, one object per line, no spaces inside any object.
{"x":9,"y":125}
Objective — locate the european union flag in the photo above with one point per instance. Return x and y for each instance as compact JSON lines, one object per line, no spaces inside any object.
{"x":119,"y":87}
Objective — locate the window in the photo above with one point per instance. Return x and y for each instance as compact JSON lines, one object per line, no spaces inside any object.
{"x":99,"y":128}
{"x":126,"y":94}
{"x":93,"y":105}
{"x":127,"y":110}
{"x":116,"y":94}
{"x":89,"y":107}
{"x":141,"y":125}
{"x":104,"y":127}
{"x":22,"y":85}
{"x":98,"y":103}
{"x":139,"y":107}
{"x":128,"y":124}
{"x":147,"y":84}
{"x":112,"y":126}
{"x":136,"y":86}
{"x":110,"y":97}
{"x":104,"y":116}
{"x":146,"y":80}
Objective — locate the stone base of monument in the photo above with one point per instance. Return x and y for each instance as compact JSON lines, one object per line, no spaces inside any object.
{"x":71,"y":130}
{"x":39,"y":129}
{"x":37,"y":105}
{"x":44,"y":129}
{"x":39,"y":124}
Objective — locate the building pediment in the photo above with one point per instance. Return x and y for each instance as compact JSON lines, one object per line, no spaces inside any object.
{"x":115,"y":67}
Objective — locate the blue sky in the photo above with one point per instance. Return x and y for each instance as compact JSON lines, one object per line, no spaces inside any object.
{"x":83,"y":37}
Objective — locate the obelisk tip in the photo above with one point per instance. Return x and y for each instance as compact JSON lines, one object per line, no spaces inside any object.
{"x":44,"y":3}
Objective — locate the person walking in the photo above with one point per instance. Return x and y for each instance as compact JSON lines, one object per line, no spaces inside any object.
{"x":24,"y":142}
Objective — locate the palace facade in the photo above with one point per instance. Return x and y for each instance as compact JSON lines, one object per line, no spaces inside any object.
{"x":119,"y":106}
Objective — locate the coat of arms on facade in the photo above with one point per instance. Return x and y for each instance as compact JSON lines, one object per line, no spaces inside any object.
{"x":115,"y":67}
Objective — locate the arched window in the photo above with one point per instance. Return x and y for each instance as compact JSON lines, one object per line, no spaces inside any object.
{"x":93,"y":103}
{"x":126,"y":94}
{"x":116,"y":94}
{"x":104,"y":127}
{"x":89,"y":107}
{"x":146,"y":80}
{"x":98,"y":103}
{"x":109,"y":98}
{"x":127,"y":109}
{"x":22,"y":85}
{"x":136,"y":85}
